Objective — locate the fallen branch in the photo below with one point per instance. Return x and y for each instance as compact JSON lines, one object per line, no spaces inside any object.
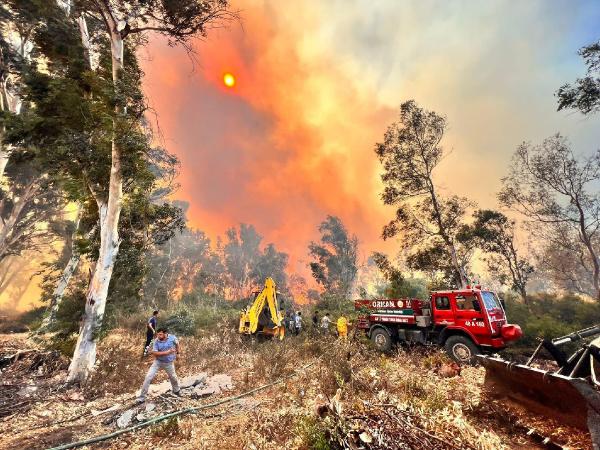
{"x":192,"y":410}
{"x":425,"y":432}
{"x":7,"y":360}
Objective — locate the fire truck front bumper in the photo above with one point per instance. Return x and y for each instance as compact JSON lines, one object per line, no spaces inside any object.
{"x":496,"y":343}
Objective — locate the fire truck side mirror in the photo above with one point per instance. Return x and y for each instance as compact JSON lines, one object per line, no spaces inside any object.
{"x":503,"y":303}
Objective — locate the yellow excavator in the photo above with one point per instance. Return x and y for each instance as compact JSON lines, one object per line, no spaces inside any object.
{"x":263,"y":316}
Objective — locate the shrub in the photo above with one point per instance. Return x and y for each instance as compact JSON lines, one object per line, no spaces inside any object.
{"x":27,"y":321}
{"x":548,"y":316}
{"x":64,"y":344}
{"x":313,"y":433}
{"x":69,"y":313}
{"x":181,"y":322}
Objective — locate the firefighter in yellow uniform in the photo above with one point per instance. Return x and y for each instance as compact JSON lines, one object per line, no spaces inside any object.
{"x":342,"y":327}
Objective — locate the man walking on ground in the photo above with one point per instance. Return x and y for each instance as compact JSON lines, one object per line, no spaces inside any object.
{"x":150,"y":330}
{"x":298,"y":322}
{"x":342,"y":327}
{"x":315,"y":321}
{"x":325,"y":322}
{"x":291,"y":322}
{"x":165,"y":350}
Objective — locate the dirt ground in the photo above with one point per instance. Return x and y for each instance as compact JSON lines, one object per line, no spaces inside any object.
{"x":349,"y":396}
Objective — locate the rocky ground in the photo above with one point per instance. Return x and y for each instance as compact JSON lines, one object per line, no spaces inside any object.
{"x":317,"y":393}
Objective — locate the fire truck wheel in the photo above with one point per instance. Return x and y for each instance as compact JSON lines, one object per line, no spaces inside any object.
{"x":461,"y":349}
{"x":381,"y":340}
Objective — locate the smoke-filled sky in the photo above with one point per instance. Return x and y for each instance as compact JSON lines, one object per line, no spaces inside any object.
{"x":318,"y":82}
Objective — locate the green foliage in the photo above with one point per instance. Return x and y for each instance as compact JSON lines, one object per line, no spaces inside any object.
{"x":271,"y":263}
{"x":494,"y":234}
{"x":584,"y":94}
{"x":313,"y":433}
{"x":192,"y":316}
{"x":428,"y":223}
{"x":335,"y":304}
{"x":65,"y":344}
{"x":549,"y":316}
{"x":399,"y":287}
{"x":69,"y":313}
{"x":247,"y":265}
{"x":334,"y":263}
{"x":180,"y":322}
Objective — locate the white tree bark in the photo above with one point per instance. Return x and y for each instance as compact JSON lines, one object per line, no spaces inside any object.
{"x":85,"y":40}
{"x":11,"y":100}
{"x":84,"y":356}
{"x":59,"y":291}
{"x":65,"y":278}
{"x":7,"y":226}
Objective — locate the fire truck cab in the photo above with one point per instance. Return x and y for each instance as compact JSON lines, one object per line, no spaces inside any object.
{"x":465,"y":322}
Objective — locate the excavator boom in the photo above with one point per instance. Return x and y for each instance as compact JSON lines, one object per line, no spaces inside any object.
{"x":263,"y":316}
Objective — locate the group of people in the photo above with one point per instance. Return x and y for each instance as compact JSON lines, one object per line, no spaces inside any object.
{"x":165,"y":347}
{"x":323,"y":324}
{"x":294,"y":324}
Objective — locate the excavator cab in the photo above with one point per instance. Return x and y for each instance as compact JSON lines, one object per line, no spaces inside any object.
{"x":263,"y":316}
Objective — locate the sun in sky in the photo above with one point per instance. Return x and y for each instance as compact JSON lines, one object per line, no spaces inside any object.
{"x":229,"y":79}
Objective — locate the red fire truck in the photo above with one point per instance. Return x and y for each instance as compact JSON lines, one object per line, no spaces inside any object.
{"x":465,"y":322}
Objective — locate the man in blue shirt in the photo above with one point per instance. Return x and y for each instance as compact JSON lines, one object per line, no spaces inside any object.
{"x":150,"y":331}
{"x":165,"y":350}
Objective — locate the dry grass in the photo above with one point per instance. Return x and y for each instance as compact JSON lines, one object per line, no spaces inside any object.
{"x":398,"y":400}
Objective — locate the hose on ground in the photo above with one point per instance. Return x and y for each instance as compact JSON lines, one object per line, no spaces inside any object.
{"x":180,"y":412}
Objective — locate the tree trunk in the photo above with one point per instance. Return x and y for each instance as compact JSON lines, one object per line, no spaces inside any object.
{"x":85,"y":41}
{"x":84,"y":356}
{"x":587,"y":241}
{"x":59,"y":291}
{"x":462,"y":278}
{"x":65,"y":278}
{"x":7,"y":226}
{"x":10,"y":99}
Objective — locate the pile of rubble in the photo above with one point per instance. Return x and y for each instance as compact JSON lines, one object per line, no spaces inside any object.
{"x":192,"y":387}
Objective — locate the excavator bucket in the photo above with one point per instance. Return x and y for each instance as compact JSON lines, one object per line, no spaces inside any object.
{"x":570,"y":395}
{"x":549,"y":394}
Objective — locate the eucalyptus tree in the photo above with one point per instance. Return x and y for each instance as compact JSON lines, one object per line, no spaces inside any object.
{"x":558,"y":191}
{"x":88,"y":128}
{"x":334,"y":264}
{"x":18,"y":22}
{"x":124,"y":25}
{"x":494,"y":234}
{"x":584,"y":94}
{"x":427,"y":222}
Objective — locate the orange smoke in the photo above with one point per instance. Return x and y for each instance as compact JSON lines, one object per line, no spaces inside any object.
{"x":291,"y":143}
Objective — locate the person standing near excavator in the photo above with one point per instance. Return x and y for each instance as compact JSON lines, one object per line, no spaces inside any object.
{"x":298,"y":322}
{"x":165,"y":350}
{"x":342,"y":327}
{"x":315,"y":321}
{"x":325,"y":322}
{"x":150,"y":330}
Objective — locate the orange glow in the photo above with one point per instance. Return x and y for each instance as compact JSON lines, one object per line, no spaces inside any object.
{"x":229,"y":80}
{"x":281,"y":154}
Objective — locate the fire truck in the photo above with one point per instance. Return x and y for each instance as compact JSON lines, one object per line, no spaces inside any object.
{"x":465,"y":322}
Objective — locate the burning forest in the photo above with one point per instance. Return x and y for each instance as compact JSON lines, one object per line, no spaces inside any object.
{"x":250,"y":225}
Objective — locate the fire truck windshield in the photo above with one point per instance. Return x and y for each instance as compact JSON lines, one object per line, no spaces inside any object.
{"x":490,"y":300}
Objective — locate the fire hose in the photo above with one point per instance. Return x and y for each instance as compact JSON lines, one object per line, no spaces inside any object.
{"x":191,"y":410}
